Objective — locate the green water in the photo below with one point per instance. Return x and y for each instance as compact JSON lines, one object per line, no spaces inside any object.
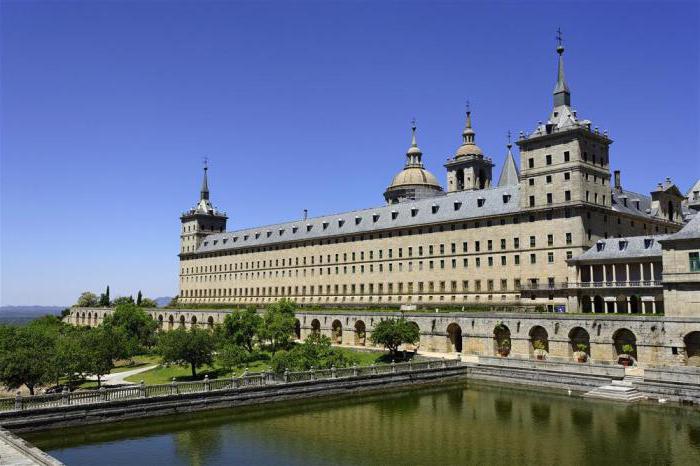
{"x":456,"y":424}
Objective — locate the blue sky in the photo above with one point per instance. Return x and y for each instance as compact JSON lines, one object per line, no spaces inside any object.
{"x":109,"y":107}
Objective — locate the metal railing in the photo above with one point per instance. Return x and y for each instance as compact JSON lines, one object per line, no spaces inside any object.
{"x":141,"y":390}
{"x":606,"y":284}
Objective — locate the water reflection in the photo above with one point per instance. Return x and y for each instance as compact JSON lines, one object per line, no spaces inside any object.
{"x":472,"y":424}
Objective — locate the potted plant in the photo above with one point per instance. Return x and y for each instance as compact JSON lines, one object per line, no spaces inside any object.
{"x":503,"y":348}
{"x":581,"y":354}
{"x":626,"y":357}
{"x":540,"y":351}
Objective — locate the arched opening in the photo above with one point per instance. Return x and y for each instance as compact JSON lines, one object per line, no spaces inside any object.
{"x":598,"y":304}
{"x":171,"y":322}
{"x":360,"y":333}
{"x":89,"y":319}
{"x":501,"y":340}
{"x":454,"y":338}
{"x":580,"y":343}
{"x":297,"y":329}
{"x":160,"y":322}
{"x":625,"y":346}
{"x":692,"y":349}
{"x":193,"y":322}
{"x":621,"y":303}
{"x":482,"y":179}
{"x":337,"y":332}
{"x":539,"y":342}
{"x":586,"y":303}
{"x":634,"y":304}
{"x":315,"y":327}
{"x":210,"y":322}
{"x":182,"y":321}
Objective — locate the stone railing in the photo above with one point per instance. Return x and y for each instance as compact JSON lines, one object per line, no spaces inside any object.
{"x":141,"y":390}
{"x":603,"y":370}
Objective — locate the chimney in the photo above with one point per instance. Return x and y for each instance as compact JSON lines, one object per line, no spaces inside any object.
{"x":618,"y":184}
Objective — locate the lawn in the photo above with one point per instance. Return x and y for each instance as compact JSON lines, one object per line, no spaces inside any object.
{"x":163,"y":374}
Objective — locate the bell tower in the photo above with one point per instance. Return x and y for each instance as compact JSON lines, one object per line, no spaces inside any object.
{"x":202,"y":220}
{"x":469,"y":169}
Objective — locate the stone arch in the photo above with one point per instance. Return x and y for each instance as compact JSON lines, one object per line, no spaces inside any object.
{"x":579,"y":336}
{"x":539,"y":339}
{"x":692,"y":349}
{"x":598,"y":304}
{"x":501,"y":340}
{"x":337,"y":332}
{"x":160,"y":321}
{"x":297,"y":329}
{"x":634,"y":304}
{"x":182,"y":321}
{"x":210,"y":322}
{"x":621,"y":338}
{"x":454,"y":338}
{"x":586,"y":305}
{"x":171,"y":322}
{"x":89,"y":318}
{"x":193,"y":321}
{"x":315,"y":327}
{"x":360,"y":333}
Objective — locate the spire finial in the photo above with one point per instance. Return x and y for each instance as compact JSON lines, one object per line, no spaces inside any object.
{"x":562,"y":96}
{"x":204,"y":193}
{"x":469,"y":115}
{"x":560,"y":41}
{"x":510,"y":143}
{"x":413,"y":132}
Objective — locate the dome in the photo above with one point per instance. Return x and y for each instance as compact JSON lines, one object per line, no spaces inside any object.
{"x":468,"y":149}
{"x":413,"y":176}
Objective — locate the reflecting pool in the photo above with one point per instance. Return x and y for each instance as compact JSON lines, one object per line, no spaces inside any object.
{"x":452,"y":424}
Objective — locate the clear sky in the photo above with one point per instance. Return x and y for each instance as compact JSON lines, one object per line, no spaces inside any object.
{"x":109,"y":107}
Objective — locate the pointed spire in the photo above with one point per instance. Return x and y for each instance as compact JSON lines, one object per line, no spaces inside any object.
{"x":204,"y":193}
{"x":509,"y":172}
{"x":414,"y":154}
{"x":562,"y":96}
{"x":468,"y":133}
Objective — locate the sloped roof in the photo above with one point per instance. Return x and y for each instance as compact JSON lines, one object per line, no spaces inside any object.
{"x":690,"y":231}
{"x":623,"y":248}
{"x":450,"y":207}
{"x":509,"y":172}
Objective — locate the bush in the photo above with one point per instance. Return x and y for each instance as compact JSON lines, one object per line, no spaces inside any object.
{"x":231,"y":356}
{"x":316,"y":352}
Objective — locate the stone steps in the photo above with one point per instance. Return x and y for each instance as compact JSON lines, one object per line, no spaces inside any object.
{"x":617,"y":391}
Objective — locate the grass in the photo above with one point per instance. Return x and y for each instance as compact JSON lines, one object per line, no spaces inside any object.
{"x":165,"y":374}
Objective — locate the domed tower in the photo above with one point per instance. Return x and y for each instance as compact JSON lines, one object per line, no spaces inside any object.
{"x":414,"y":181}
{"x":469,"y":169}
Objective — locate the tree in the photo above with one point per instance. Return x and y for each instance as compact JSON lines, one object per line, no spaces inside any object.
{"x":104,"y":298}
{"x":139,"y":297}
{"x":87,"y":299}
{"x":138,"y":327}
{"x":392,"y":333}
{"x":103,"y":345}
{"x":230,"y":356}
{"x":194,"y":347}
{"x":118,"y":301}
{"x":148,"y":303}
{"x":278,"y":324}
{"x":316,"y":351}
{"x":25,"y":356}
{"x":240,"y":328}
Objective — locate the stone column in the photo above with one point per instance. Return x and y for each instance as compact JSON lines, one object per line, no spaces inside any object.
{"x":627,"y":271}
{"x":605,"y":274}
{"x":591,"y":268}
{"x":615,"y":306}
{"x":651,"y":268}
{"x":629,"y":305}
{"x":641,"y":272}
{"x":614,"y":271}
{"x":653,"y":306}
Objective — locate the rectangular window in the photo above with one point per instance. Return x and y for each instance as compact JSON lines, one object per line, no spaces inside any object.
{"x":478,"y":261}
{"x":477,"y":246}
{"x":532,"y":201}
{"x":503,"y":260}
{"x":504,"y":284}
{"x":567,"y":176}
{"x":548,"y":158}
{"x":516,"y":243}
{"x":490,"y":260}
{"x":550,"y":257}
{"x":694,"y":261}
{"x":550,"y":240}
{"x":533,"y":258}
{"x":549,"y":198}
{"x":503,"y":243}
{"x":516,"y":259}
{"x":531,"y":182}
{"x":567,"y":157}
{"x":464,"y":246}
{"x":548,"y":178}
{"x":530,"y":163}
{"x":532,"y":241}
{"x":567,"y":195}
{"x":489,"y":245}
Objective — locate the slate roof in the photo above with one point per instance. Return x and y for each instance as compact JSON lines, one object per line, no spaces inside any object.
{"x":644,"y":209}
{"x":690,"y":231}
{"x":509,"y":172}
{"x":623,"y":248}
{"x":450,"y":207}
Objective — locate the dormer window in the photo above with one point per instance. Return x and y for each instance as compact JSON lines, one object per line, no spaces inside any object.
{"x":506,"y":198}
{"x":223,"y":241}
{"x":245,"y":237}
{"x":358,"y":219}
{"x":281,"y":231}
{"x":394,"y":214}
{"x":235,"y":238}
{"x":435,"y":208}
{"x":294,"y":229}
{"x":622,"y":244}
{"x":648,"y":243}
{"x":480,"y":202}
{"x":636,"y":203}
{"x":309,"y":226}
{"x":457,"y":205}
{"x":414,"y":211}
{"x":375,"y":217}
{"x":325,"y":225}
{"x":269,"y":233}
{"x":214,"y":242}
{"x":340,"y":222}
{"x":206,"y":243}
{"x":599,"y":246}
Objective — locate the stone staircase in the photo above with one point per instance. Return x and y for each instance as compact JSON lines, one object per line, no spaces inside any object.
{"x":618,"y":390}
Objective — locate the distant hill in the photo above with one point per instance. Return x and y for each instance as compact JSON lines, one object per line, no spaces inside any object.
{"x":163,"y":301}
{"x":22,"y":314}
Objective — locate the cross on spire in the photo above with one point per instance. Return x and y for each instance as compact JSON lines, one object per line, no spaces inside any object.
{"x":560,"y":38}
{"x":205,"y":160}
{"x":510,"y":144}
{"x":469,"y":107}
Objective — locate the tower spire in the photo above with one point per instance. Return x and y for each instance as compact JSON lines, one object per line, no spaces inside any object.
{"x":562,"y":96}
{"x":414,"y":154}
{"x":468,"y":133}
{"x":204,"y":193}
